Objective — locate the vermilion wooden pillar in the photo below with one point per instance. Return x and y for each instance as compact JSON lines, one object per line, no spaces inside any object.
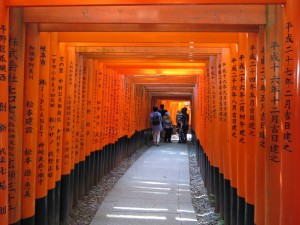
{"x":71,"y":78}
{"x":67,"y":151}
{"x":207,"y":148}
{"x":203,"y":139}
{"x":42,"y":132}
{"x":30,"y":123}
{"x":16,"y":95}
{"x":96,"y":123}
{"x":210,"y":142}
{"x":75,"y":131}
{"x":242,"y":64}
{"x":221,"y":127}
{"x":100,"y":100}
{"x":290,"y":108}
{"x":60,"y":92}
{"x":251,"y":103}
{"x":274,"y":134}
{"x":233,"y":131}
{"x":53,"y":127}
{"x":81,"y":88}
{"x":83,"y":144}
{"x":225,"y":73}
{"x":4,"y":113}
{"x":260,"y":140}
{"x":89,"y":123}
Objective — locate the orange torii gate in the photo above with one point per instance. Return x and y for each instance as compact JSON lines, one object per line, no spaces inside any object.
{"x":244,"y":109}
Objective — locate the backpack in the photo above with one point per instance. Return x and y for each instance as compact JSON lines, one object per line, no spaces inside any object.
{"x":155,"y":119}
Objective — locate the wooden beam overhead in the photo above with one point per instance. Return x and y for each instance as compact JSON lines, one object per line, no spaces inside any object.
{"x":81,"y":27}
{"x":165,"y":80}
{"x":149,"y":50}
{"x":149,"y":37}
{"x":133,"y":2}
{"x":147,"y":44}
{"x":146,"y":71}
{"x":120,"y":65}
{"x":149,"y":14}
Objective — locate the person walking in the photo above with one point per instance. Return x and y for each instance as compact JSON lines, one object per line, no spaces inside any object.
{"x":167,"y":124}
{"x":185,"y":117}
{"x":156,"y":122}
{"x":162,"y":111}
{"x":179,"y":126}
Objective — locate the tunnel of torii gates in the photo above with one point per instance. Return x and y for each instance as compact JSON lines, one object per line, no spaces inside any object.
{"x":78,"y":81}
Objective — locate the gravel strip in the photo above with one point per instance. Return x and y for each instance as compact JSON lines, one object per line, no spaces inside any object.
{"x":203,"y":205}
{"x":86,"y":208}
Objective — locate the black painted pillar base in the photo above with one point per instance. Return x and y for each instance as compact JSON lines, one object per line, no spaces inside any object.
{"x":240,"y":210}
{"x":249,"y":214}
{"x":226,"y":202}
{"x":76,"y":185}
{"x":216,"y":189}
{"x":81,"y":178}
{"x":41,"y":213}
{"x":87,"y":174}
{"x":57,"y":201}
{"x":65,"y":201}
{"x":233,"y":206}
{"x":71,"y":194}
{"x":28,"y":221}
{"x":221,"y":191}
{"x":51,"y":207}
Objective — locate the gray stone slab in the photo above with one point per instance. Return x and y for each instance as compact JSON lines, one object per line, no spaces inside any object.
{"x":154,"y":190}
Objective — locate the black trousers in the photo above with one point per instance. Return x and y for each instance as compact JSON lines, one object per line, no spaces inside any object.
{"x":168,"y":134}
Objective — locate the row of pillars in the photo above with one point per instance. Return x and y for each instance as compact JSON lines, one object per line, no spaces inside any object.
{"x":65,"y":122}
{"x":247,"y":123}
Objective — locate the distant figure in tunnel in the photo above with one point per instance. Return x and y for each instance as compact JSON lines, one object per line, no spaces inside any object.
{"x":156,"y":122}
{"x":184,"y":118}
{"x":167,"y":124}
{"x":162,"y":111}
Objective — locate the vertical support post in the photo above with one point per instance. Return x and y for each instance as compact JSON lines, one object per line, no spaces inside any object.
{"x":221,"y":128}
{"x":89,"y":123}
{"x":53,"y":127}
{"x":214,"y":145}
{"x":16,"y":95}
{"x":69,"y":117}
{"x":85,"y":127}
{"x":75,"y":131}
{"x":242,"y":128}
{"x":251,"y":104}
{"x":95,"y":124}
{"x":274,"y":35}
{"x":42,"y":137}
{"x":60,"y":195}
{"x":259,"y":217}
{"x":4,"y":19}
{"x":81,"y":92}
{"x":225,"y":69}
{"x":83,"y":143}
{"x":234,"y":132}
{"x":31,"y":93}
{"x":66,"y":186}
{"x":290,"y":108}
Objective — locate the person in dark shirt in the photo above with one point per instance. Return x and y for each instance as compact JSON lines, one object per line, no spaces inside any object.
{"x":185,"y":117}
{"x":162,"y":111}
